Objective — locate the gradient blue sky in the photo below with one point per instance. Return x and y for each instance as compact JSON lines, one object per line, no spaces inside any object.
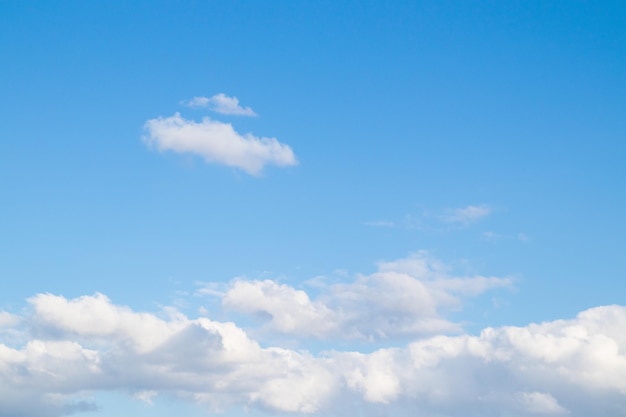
{"x":404,"y":117}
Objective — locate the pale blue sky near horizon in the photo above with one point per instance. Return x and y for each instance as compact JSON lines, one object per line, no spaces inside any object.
{"x":399,"y":113}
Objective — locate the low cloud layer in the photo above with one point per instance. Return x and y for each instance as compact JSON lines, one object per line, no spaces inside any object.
{"x":69,"y":348}
{"x":406,"y":297}
{"x":217,"y":142}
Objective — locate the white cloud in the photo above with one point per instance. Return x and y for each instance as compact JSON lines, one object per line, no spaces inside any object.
{"x":88,"y":344}
{"x":405,"y":297}
{"x":288,"y":309}
{"x":221,"y":103}
{"x":540,"y":403}
{"x":467,"y":215}
{"x":96,"y":318}
{"x":217,"y":142}
{"x":8,"y":319}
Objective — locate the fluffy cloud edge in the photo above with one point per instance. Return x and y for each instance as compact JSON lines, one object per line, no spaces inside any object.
{"x":217,"y":142}
{"x":89,"y":344}
{"x":406,"y":297}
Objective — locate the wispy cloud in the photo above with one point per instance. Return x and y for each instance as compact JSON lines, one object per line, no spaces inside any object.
{"x":217,"y":142}
{"x":466,"y":215}
{"x":220,"y":103}
{"x":493,"y":236}
{"x":380,"y":223}
{"x":436,"y":219}
{"x":90,"y":344}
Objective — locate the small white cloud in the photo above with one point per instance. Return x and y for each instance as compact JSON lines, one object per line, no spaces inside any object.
{"x":288,"y":309}
{"x":221,"y":103}
{"x":196,"y":102}
{"x":467,"y":215}
{"x":217,"y":142}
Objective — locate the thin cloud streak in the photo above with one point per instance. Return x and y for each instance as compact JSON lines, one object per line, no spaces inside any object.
{"x":434,"y":220}
{"x":467,"y":215}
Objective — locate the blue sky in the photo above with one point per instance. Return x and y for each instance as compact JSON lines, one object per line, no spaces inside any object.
{"x":342,"y":182}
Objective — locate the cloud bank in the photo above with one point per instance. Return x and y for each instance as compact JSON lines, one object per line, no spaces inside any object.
{"x":405,"y":297}
{"x":71,"y":347}
{"x":217,"y":142}
{"x":221,"y":103}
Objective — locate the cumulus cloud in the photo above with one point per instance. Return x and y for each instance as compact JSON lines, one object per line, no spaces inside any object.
{"x":221,"y":103}
{"x":90,"y":344}
{"x":405,"y":297}
{"x":217,"y":142}
{"x":466,"y":215}
{"x":289,"y":310}
{"x":573,"y":367}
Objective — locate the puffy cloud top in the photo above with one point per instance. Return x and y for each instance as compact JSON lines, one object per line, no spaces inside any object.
{"x":72,"y":346}
{"x":405,"y":297}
